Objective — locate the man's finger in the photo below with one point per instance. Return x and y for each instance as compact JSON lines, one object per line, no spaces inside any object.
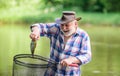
{"x":63,"y":63}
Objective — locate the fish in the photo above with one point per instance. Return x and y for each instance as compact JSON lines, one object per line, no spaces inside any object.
{"x":33,"y":46}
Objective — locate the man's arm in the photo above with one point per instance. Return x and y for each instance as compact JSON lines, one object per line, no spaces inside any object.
{"x":85,"y":52}
{"x":43,"y":29}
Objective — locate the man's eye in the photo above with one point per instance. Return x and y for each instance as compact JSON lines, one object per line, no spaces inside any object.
{"x":62,"y":24}
{"x":67,"y":25}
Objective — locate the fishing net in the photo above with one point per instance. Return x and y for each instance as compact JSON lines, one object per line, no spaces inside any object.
{"x":28,"y":65}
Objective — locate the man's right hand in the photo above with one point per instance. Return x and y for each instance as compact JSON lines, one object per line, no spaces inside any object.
{"x":35,"y":34}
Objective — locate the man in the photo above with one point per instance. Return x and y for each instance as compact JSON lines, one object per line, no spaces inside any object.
{"x":69,"y":44}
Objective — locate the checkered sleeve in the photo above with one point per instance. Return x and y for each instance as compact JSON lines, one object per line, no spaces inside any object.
{"x":47,"y":29}
{"x":85,"y":52}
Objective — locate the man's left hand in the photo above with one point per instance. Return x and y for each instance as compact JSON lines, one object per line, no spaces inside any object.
{"x":68,"y":61}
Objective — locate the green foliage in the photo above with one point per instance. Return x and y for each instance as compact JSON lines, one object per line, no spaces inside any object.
{"x":25,"y":11}
{"x":88,"y":5}
{"x":114,"y":5}
{"x":83,"y":5}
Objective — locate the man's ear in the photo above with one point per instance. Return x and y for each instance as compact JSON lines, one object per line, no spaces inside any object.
{"x":76,"y":23}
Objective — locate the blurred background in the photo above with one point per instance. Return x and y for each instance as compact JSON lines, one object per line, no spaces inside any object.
{"x":100,"y":18}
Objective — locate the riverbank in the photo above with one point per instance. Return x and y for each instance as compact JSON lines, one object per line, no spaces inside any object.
{"x":20,"y":15}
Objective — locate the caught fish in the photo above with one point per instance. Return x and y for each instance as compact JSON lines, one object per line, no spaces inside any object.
{"x":33,"y":46}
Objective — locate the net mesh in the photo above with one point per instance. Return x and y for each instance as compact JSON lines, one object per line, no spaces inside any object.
{"x":28,"y":65}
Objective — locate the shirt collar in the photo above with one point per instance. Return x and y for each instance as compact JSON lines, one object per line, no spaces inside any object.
{"x":77,"y":31}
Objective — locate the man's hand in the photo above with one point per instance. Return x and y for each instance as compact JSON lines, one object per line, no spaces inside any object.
{"x":35,"y":34}
{"x":69,"y":61}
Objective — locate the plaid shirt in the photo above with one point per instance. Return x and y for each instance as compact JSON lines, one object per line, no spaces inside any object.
{"x":77,"y":46}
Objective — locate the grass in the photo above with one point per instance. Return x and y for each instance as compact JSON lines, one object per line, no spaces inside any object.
{"x":105,"y":49}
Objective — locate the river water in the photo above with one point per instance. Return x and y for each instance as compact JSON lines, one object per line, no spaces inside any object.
{"x":14,"y":39}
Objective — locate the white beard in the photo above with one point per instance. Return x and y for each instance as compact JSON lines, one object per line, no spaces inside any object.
{"x":69,"y":33}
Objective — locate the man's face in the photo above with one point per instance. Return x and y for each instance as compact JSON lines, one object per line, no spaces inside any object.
{"x":69,"y":28}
